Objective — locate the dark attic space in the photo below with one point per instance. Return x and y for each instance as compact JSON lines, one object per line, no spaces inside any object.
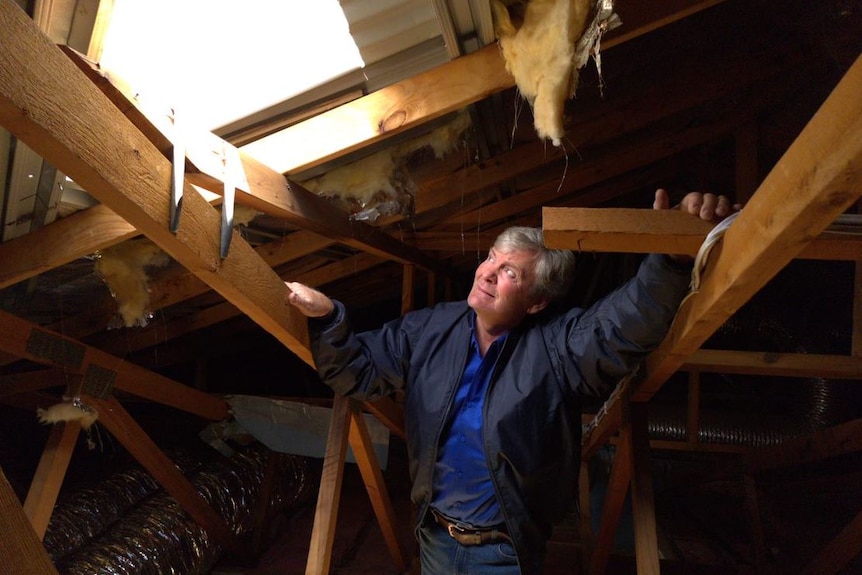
{"x":166,"y":168}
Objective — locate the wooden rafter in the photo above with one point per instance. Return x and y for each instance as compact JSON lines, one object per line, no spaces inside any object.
{"x":99,"y":369}
{"x":822,"y":167}
{"x":96,"y":145}
{"x":260,"y":187}
{"x":422,"y":98}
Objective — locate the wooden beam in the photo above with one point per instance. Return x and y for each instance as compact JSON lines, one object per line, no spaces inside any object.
{"x":48,"y":479}
{"x":615,"y":498}
{"x":823,"y":167}
{"x":260,"y":187}
{"x":61,"y":242}
{"x":372,"y":476}
{"x":643,"y":504}
{"x":418,"y":100}
{"x":634,"y":230}
{"x":162,"y":332}
{"x":774,"y":364}
{"x":136,"y":441}
{"x":21,"y":551}
{"x":623,"y":230}
{"x":102,"y":371}
{"x":96,"y":145}
{"x":331,"y":478}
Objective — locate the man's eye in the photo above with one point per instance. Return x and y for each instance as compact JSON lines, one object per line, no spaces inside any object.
{"x":511,"y":273}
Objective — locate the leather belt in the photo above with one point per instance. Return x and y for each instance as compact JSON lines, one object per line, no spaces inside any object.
{"x":470,"y":536}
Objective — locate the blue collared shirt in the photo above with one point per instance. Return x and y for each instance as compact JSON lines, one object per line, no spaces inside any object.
{"x":462,"y":483}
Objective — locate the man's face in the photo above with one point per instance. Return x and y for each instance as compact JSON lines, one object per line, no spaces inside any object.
{"x":501,"y":289}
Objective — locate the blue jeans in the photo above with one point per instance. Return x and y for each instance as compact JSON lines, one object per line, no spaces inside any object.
{"x":439,"y":554}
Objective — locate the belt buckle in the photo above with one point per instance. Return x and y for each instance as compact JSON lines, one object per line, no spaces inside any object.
{"x":451,"y":527}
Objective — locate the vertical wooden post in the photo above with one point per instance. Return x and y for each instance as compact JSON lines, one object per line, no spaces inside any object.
{"x":643,"y":505}
{"x":618,"y":487}
{"x":372,"y":476}
{"x":49,"y":475}
{"x":326,"y":512}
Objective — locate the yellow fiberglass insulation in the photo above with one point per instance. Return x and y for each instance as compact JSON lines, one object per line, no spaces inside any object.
{"x":538,"y":40}
{"x":379,"y":184}
{"x":123,"y":269}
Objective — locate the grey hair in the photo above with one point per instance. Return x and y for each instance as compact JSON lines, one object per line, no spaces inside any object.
{"x":554,"y":269}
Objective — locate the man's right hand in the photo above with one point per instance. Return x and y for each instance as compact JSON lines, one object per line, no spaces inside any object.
{"x":309,"y":301}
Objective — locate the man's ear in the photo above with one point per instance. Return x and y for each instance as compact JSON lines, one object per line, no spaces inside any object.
{"x":537,"y":307}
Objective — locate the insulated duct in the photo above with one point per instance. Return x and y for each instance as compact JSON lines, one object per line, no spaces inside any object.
{"x":126,"y":525}
{"x":754,"y":411}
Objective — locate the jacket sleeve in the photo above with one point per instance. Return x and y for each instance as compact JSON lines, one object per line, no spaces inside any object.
{"x":367,"y":365}
{"x":610,"y":339}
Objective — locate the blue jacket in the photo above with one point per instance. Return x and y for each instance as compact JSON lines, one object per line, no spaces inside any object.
{"x":532,"y":424}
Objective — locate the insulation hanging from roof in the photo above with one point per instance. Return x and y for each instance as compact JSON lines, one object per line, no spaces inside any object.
{"x":544,"y":44}
{"x":379,"y":184}
{"x":123,"y":268}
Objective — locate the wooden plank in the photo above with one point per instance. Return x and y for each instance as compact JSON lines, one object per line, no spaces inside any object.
{"x":623,"y":230}
{"x":136,"y":441}
{"x":26,"y":340}
{"x":612,"y":509}
{"x":634,"y":230}
{"x":822,"y":167}
{"x":774,"y":364}
{"x":643,"y":503}
{"x":48,"y":479}
{"x":21,"y":551}
{"x":831,"y":442}
{"x":372,"y":476}
{"x":61,"y":242}
{"x":332,"y":475}
{"x":50,"y":105}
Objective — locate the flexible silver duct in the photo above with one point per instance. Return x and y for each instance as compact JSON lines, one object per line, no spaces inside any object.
{"x":125,"y":525}
{"x":751,"y":411}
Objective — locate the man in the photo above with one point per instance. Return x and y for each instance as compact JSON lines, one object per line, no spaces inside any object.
{"x":493,"y":388}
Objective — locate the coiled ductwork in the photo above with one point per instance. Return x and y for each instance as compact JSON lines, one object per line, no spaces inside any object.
{"x":125,"y":525}
{"x":755,"y":411}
